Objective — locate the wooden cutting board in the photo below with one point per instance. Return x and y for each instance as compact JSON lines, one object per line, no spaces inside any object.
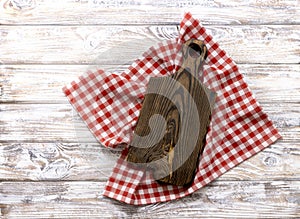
{"x":170,"y":133}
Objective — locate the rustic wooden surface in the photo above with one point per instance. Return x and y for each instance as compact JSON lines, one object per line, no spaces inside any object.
{"x":50,"y":165}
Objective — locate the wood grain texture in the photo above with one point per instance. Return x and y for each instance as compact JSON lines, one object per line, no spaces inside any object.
{"x":86,"y":12}
{"x":84,"y":200}
{"x":56,"y":161}
{"x":42,"y":140}
{"x":184,"y":106}
{"x":102,"y":44}
{"x":43,"y":83}
{"x":92,"y":162}
{"x":59,"y":122}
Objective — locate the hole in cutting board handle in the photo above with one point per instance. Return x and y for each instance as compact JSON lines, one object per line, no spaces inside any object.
{"x":194,"y":50}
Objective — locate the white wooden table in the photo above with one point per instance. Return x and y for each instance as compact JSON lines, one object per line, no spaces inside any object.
{"x":51,"y":167}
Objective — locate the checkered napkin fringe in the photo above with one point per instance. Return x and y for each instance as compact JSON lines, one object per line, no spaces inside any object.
{"x":110,"y":104}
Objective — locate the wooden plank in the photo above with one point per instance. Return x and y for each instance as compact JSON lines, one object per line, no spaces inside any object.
{"x":277,"y":199}
{"x":148,"y":12}
{"x":273,"y":83}
{"x":56,"y":161}
{"x":43,"y":122}
{"x":122,"y":44}
{"x":59,"y":122}
{"x":92,"y":162}
{"x":43,"y":83}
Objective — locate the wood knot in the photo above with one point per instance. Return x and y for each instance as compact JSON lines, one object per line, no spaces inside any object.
{"x":1,"y":90}
{"x":270,"y":161}
{"x":18,"y":5}
{"x":5,"y":209}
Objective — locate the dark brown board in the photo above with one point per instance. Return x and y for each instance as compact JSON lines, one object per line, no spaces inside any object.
{"x":170,"y":132}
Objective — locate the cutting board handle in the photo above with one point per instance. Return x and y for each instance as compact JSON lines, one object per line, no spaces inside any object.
{"x":194,"y":54}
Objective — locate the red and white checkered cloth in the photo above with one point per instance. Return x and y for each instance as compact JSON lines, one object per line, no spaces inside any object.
{"x":110,"y":105}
